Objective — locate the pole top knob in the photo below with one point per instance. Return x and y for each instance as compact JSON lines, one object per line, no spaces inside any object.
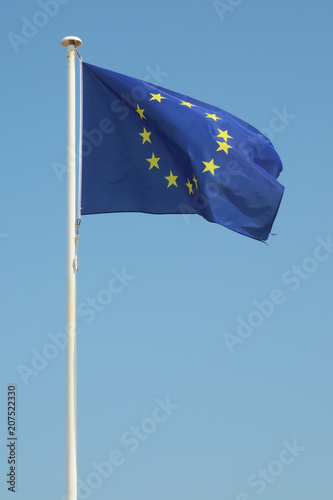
{"x":71,"y":40}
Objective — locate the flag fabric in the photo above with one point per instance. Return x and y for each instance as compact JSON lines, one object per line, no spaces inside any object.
{"x":148,"y":149}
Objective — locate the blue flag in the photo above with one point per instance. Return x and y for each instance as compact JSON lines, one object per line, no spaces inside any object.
{"x":148,"y":149}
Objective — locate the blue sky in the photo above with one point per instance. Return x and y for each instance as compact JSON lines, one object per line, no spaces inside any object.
{"x":168,"y":405}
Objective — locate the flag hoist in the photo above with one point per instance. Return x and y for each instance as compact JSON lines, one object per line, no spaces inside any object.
{"x":71,"y":42}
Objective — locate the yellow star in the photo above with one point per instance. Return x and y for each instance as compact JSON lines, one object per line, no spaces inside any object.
{"x":153,"y":161}
{"x":195,"y":181}
{"x":171,"y":179}
{"x":190,"y":187}
{"x":213,"y":117}
{"x":188,"y":104}
{"x":223,"y":146}
{"x":140,"y":111}
{"x":156,"y":97}
{"x":210,"y":167}
{"x":145,"y":136}
{"x":224,"y":134}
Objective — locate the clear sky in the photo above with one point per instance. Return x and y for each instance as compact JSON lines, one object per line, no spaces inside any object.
{"x":209,"y":375}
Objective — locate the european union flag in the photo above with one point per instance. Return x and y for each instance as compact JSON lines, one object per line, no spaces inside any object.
{"x":147,"y":149}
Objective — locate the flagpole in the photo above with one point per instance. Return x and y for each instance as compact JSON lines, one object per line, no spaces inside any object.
{"x":71,"y":42}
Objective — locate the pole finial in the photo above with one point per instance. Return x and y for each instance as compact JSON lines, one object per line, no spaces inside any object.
{"x":71,"y":40}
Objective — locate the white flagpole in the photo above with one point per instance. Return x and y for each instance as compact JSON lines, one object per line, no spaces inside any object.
{"x":71,"y":42}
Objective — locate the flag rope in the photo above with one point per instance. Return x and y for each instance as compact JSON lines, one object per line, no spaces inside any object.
{"x":78,"y":54}
{"x":77,"y":237}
